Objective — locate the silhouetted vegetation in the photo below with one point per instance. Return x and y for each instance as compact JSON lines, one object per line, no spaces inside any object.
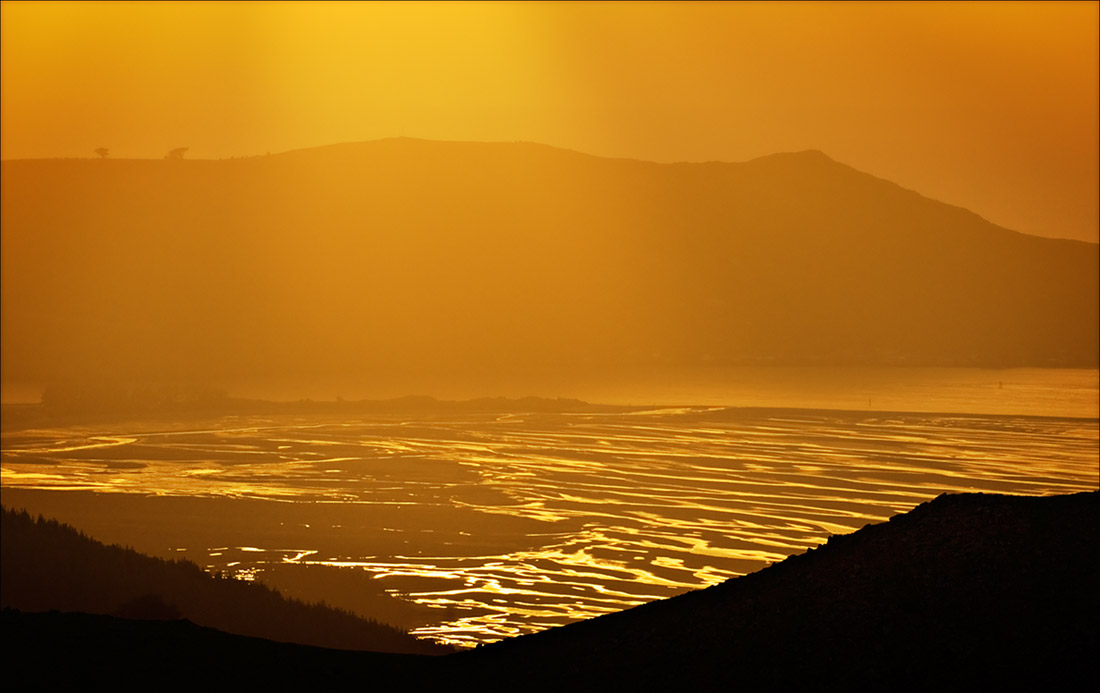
{"x":102,"y":152}
{"x":50,"y":566}
{"x":176,"y":153}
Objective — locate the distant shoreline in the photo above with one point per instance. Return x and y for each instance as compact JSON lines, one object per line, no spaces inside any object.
{"x":26,"y":416}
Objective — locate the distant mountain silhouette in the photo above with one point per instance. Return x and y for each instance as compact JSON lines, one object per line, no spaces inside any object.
{"x":50,"y":566}
{"x":405,"y":255}
{"x":975,"y":592}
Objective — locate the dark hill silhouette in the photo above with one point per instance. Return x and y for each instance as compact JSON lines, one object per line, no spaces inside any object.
{"x":47,"y":565}
{"x":407,"y":255}
{"x":55,"y":651}
{"x":966,"y":592}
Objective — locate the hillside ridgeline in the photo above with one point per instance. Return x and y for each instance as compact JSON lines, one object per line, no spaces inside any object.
{"x":394,"y":257}
{"x":47,"y":566}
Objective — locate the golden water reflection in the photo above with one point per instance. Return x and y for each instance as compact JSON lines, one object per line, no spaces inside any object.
{"x":613,"y":510}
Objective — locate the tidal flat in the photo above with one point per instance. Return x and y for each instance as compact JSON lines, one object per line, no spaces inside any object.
{"x":469,"y":527}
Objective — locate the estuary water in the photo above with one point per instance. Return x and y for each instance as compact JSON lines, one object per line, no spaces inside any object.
{"x":483,"y":525}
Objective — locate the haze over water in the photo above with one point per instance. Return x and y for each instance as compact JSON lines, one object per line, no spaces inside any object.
{"x":1026,"y":391}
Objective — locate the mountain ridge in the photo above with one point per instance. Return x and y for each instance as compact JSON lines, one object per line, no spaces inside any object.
{"x":407,"y":255}
{"x":811,"y":154}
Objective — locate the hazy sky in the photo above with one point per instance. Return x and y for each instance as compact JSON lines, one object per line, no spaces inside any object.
{"x":991,"y":106}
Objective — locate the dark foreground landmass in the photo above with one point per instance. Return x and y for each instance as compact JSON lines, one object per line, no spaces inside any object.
{"x":51,"y":566}
{"x":978,"y":590}
{"x":967,"y":591}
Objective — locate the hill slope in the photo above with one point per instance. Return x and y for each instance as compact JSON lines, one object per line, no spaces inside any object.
{"x":50,"y":566}
{"x":404,"y":255}
{"x":965,"y":590}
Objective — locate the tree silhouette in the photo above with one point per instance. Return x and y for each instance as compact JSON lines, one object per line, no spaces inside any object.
{"x":176,"y":153}
{"x":103,"y":152}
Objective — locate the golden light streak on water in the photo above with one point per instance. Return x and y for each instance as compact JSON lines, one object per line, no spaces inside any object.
{"x":615,"y":509}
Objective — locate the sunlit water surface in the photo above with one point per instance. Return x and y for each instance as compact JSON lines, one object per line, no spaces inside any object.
{"x":596,"y":512}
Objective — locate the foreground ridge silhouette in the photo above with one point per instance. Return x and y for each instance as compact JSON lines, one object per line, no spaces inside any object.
{"x":48,"y":565}
{"x":969,"y":590}
{"x":965,"y":590}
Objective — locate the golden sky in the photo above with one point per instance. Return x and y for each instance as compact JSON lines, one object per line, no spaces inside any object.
{"x":991,"y":106}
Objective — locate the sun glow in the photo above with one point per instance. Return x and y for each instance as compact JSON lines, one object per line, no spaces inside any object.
{"x":967,"y":82}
